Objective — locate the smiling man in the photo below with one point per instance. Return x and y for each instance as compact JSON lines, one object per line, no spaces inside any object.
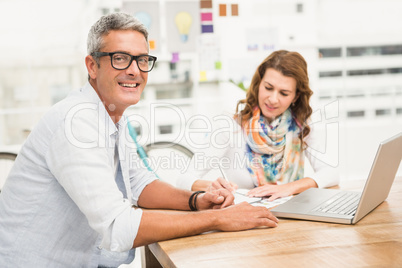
{"x":74,"y":199}
{"x":117,"y":81}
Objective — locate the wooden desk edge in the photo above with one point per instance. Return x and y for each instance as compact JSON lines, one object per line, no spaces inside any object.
{"x":156,"y":257}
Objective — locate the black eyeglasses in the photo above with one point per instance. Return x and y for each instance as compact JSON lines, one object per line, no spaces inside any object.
{"x":122,"y":60}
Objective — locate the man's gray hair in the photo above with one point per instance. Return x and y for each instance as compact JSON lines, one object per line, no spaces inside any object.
{"x":115,"y":21}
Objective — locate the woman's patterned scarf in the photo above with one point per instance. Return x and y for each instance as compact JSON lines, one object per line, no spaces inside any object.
{"x":273,"y":150}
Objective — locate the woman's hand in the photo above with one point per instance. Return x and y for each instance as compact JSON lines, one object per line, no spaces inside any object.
{"x":272,"y":190}
{"x":275,"y":191}
{"x":220,"y":183}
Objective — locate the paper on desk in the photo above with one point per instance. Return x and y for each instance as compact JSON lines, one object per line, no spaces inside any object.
{"x":241,"y":196}
{"x":271,"y":204}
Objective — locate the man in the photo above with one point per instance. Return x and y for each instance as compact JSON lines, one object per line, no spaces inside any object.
{"x":72,"y":197}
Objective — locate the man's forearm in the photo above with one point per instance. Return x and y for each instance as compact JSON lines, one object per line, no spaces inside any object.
{"x":163,"y":225}
{"x":162,"y":195}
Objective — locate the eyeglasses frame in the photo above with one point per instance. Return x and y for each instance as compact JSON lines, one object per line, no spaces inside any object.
{"x":102,"y":54}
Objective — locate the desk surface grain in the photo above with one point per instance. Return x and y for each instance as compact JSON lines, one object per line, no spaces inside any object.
{"x":375,"y":241}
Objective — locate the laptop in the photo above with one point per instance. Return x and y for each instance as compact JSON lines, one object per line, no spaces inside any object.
{"x":348,"y":207}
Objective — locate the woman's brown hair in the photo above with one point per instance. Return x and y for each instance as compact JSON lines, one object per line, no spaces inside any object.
{"x":290,"y":64}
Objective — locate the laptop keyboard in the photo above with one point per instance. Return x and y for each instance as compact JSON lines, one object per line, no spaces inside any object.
{"x":343,"y":203}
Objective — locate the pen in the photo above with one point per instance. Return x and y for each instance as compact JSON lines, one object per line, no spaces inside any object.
{"x":225,"y":177}
{"x":223,"y":174}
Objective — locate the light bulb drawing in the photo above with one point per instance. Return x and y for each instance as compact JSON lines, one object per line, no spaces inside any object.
{"x":145,"y":18}
{"x":183,"y":22}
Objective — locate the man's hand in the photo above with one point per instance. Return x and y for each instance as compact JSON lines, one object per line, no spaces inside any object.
{"x":215,"y":199}
{"x":244,"y":216}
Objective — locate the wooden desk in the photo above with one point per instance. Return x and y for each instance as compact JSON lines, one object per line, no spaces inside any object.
{"x":375,"y":241}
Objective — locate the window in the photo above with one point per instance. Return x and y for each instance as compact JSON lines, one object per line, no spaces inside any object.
{"x":324,"y":97}
{"x":382,"y":112}
{"x":105,"y":11}
{"x":391,"y":50}
{"x":365,"y":72}
{"x":299,"y":8}
{"x":330,"y":74}
{"x":356,"y":114}
{"x":330,"y":52}
{"x":374,"y":50}
{"x":379,"y":94}
{"x":355,"y":95}
{"x":396,"y":70}
{"x":138,"y":130}
{"x":166,"y":129}
{"x":361,"y":51}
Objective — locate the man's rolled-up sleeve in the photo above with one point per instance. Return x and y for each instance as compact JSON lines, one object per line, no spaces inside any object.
{"x":123,"y":231}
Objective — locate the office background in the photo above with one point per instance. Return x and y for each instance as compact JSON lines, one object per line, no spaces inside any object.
{"x":205,"y":50}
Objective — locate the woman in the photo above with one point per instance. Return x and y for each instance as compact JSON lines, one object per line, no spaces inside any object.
{"x":275,"y":135}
